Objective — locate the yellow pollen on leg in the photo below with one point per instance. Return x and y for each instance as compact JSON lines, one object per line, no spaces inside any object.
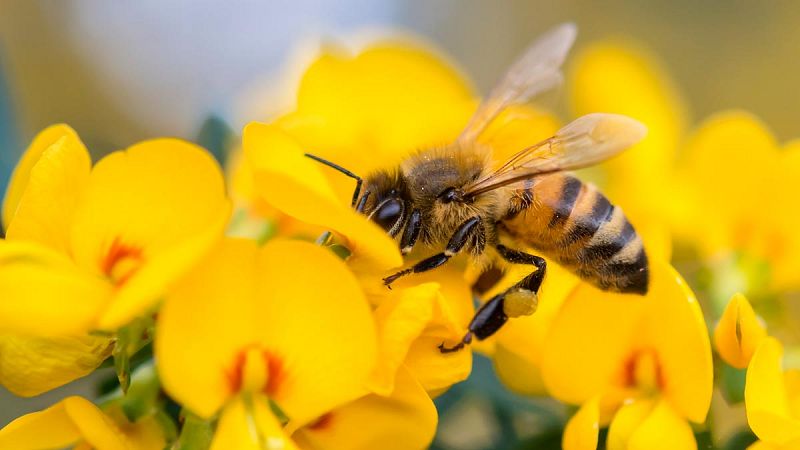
{"x":520,"y":302}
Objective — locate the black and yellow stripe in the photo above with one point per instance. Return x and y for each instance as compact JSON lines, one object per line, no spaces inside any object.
{"x":574,"y":224}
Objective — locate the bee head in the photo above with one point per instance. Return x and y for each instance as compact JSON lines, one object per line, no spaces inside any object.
{"x":384,"y":201}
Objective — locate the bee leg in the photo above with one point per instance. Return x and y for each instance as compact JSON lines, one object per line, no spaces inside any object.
{"x":518,"y":300}
{"x":411,"y":233}
{"x":464,"y":233}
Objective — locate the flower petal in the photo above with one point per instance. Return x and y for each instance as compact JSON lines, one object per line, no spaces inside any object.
{"x":305,"y":287}
{"x":623,"y":78}
{"x":204,"y":323}
{"x":56,"y":181}
{"x":61,"y":425}
{"x":18,"y":182}
{"x":45,"y":294}
{"x":295,"y":185}
{"x":738,"y":332}
{"x":31,"y":365}
{"x":378,"y":106}
{"x":674,"y":327}
{"x":400,"y":320}
{"x":583,"y":428}
{"x":766,"y":397}
{"x":726,"y":143}
{"x":155,"y":203}
{"x":664,"y":428}
{"x":588,"y":343}
{"x":257,"y":429}
{"x":521,"y":341}
{"x":404,"y":420}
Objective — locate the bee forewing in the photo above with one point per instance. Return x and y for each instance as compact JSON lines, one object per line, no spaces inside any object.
{"x":537,"y":70}
{"x":593,"y":138}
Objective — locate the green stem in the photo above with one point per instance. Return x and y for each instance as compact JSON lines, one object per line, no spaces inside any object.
{"x":196,"y":433}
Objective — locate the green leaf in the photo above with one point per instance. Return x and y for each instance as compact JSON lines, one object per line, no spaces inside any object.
{"x":130,"y":339}
{"x":732,"y":383}
{"x":196,"y":433}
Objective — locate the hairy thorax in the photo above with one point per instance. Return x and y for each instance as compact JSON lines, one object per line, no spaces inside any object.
{"x":429,"y":173}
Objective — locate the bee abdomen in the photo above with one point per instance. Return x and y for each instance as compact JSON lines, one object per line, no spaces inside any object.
{"x":574,"y":224}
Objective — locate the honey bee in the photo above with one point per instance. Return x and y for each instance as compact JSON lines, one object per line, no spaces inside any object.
{"x":452,"y":198}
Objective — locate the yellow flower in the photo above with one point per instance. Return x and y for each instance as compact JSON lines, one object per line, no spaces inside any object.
{"x":91,"y":248}
{"x":642,"y":364}
{"x":772,"y":398}
{"x":77,"y":422}
{"x":622,"y":77}
{"x":286,"y":323}
{"x":738,"y":333}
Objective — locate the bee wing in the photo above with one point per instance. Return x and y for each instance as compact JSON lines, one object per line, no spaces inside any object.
{"x":583,"y":142}
{"x":537,"y":70}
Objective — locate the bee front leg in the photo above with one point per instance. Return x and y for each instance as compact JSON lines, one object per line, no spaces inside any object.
{"x":470,"y":229}
{"x":521,"y":299}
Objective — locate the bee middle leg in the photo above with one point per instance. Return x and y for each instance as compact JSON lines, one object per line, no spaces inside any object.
{"x":470,"y":229}
{"x":519,"y":300}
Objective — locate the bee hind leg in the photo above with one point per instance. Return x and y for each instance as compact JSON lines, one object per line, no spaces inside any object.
{"x":518,"y":300}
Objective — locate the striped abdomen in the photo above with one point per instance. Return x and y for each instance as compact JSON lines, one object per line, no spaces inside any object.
{"x":574,"y":224}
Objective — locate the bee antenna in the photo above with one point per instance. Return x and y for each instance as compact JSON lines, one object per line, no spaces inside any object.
{"x":338,"y":168}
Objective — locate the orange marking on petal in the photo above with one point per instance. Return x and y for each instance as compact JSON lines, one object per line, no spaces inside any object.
{"x":322,"y":423}
{"x":121,"y":261}
{"x":276,"y":373}
{"x":642,"y":369}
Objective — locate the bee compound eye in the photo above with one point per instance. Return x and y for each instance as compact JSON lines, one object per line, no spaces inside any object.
{"x":388,"y":215}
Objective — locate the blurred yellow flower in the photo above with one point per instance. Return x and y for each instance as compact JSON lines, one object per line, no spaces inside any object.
{"x":691,"y":193}
{"x":77,"y":422}
{"x":286,"y":323}
{"x":738,"y":333}
{"x":772,"y":398}
{"x":642,"y":364}
{"x":622,"y":77}
{"x":92,"y":248}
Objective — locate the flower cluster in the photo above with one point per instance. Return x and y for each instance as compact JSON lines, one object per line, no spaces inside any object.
{"x":259,"y":330}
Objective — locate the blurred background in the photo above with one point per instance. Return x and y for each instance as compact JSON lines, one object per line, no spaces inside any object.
{"x":120,"y":72}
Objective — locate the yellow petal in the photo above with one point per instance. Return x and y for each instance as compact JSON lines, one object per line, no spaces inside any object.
{"x":155,"y":276}
{"x":160,"y":202}
{"x":406,"y":419}
{"x":598,"y":340}
{"x":382,"y":104}
{"x":738,"y":332}
{"x":19,"y":178}
{"x":45,"y":294}
{"x":663,"y":429}
{"x":520,"y":343}
{"x":583,"y":428}
{"x":294,"y":184}
{"x":622,"y":77}
{"x":31,"y":365}
{"x":589,"y":343}
{"x":61,"y":425}
{"x":726,"y":143}
{"x":400,"y":320}
{"x":204,"y":323}
{"x":304,"y":287}
{"x":781,"y":240}
{"x":147,"y":433}
{"x":674,"y":327}
{"x":766,"y":396}
{"x":256,"y":429}
{"x":626,"y":421}
{"x":55,"y":183}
